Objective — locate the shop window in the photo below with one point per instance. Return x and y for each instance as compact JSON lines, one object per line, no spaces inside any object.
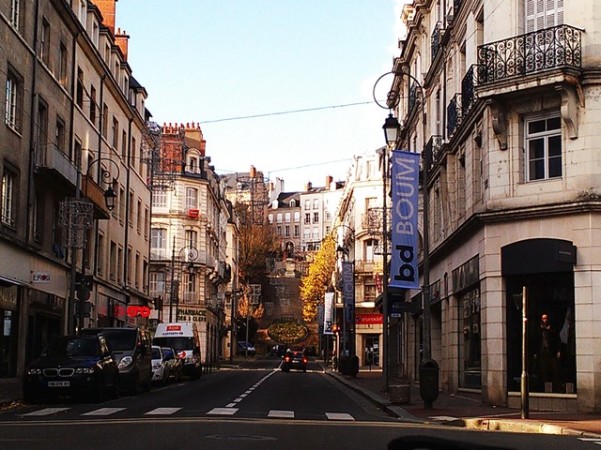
{"x":470,"y":365}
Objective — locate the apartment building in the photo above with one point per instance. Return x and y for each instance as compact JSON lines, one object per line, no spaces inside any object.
{"x":501,"y":98}
{"x":318,"y":208}
{"x":190,"y":214}
{"x":74,"y":129}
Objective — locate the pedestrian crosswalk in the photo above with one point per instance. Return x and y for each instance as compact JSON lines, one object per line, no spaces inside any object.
{"x":169,"y":411}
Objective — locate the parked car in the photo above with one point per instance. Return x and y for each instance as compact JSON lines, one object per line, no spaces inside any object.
{"x":165,"y":365}
{"x":131,"y":347}
{"x":242,"y":345}
{"x":72,"y":366}
{"x":294,"y":359}
{"x":175,"y":364}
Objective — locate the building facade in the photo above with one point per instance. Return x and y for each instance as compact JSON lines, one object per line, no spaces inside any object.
{"x":190,"y":215}
{"x":501,"y":97}
{"x":67,"y":80}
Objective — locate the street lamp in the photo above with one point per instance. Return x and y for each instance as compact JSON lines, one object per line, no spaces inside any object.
{"x":391,"y":131}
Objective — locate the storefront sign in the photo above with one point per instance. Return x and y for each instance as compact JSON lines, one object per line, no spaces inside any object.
{"x":40,"y":277}
{"x":405,"y":178}
{"x":370,"y":319}
{"x":136,"y":310}
{"x":191,"y":315}
{"x":466,"y":274}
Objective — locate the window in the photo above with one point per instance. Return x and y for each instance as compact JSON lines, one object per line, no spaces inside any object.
{"x":14,"y":99}
{"x":292,"y":203}
{"x":191,"y":238}
{"x":543,"y":148}
{"x":41,"y":132}
{"x":15,"y":14}
{"x":158,"y":242}
{"x":296,"y":231}
{"x":139,"y":217}
{"x":270,"y":218}
{"x":307,"y":204}
{"x":105,"y":121}
{"x":45,"y":42}
{"x":315,"y":203}
{"x":193,"y":166}
{"x":121,"y":205}
{"x":315,"y":217}
{"x":297,"y":216}
{"x":93,"y":105}
{"x":115,"y":133}
{"x":131,"y":206}
{"x":113,"y":261}
{"x":287,"y":231}
{"x":120,"y":264}
{"x":100,"y":255}
{"x":279,"y":230}
{"x":307,"y":218}
{"x":124,"y":145}
{"x":62,"y":65}
{"x":371,"y":246}
{"x":9,"y":198}
{"x":134,"y":155}
{"x":156,"y":283}
{"x":287,"y":217}
{"x":543,"y":14}
{"x":279,"y":218}
{"x":79,"y":93}
{"x":191,"y":198}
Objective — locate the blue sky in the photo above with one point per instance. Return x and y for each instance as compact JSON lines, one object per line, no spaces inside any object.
{"x":207,"y":61}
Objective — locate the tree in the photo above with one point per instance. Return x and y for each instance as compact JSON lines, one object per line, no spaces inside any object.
{"x":257,"y":243}
{"x":318,"y":278}
{"x":248,"y":313}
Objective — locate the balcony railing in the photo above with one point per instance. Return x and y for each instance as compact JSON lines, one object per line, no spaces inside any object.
{"x":551,"y":48}
{"x":49,"y":157}
{"x":468,"y":93}
{"x":454,"y":115}
{"x":436,"y":38}
{"x":434,"y":150}
{"x":413,"y":100}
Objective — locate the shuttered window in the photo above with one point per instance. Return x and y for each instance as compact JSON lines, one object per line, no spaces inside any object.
{"x":541,"y":14}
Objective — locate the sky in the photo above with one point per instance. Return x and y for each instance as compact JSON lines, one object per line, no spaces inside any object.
{"x":285,"y":86}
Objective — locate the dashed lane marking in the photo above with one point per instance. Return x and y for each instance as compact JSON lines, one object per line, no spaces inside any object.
{"x":103,"y":412}
{"x":46,"y":411}
{"x":339,"y":416}
{"x":279,"y":414}
{"x":162,"y":411}
{"x":223,"y":411}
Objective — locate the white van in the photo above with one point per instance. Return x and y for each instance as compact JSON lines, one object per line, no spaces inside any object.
{"x":184,"y":338}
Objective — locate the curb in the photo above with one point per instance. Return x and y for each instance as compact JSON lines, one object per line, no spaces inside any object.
{"x":516,"y":426}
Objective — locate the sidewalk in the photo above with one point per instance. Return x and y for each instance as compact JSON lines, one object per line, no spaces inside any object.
{"x":467,"y":410}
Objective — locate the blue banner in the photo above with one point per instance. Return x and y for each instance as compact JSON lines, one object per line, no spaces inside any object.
{"x":404,"y":191}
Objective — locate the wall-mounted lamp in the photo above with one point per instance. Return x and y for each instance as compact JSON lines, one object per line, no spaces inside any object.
{"x":109,"y":198}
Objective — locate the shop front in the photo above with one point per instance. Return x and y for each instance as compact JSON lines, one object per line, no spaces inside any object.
{"x":8,"y":329}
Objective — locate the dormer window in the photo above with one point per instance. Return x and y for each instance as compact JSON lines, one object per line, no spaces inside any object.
{"x":292,"y":203}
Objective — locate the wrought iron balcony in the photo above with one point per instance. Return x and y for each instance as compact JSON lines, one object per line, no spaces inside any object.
{"x":454,"y":115}
{"x":468,"y":93}
{"x":413,"y":100}
{"x":436,"y":38}
{"x":433,"y":151}
{"x":552,"y":48}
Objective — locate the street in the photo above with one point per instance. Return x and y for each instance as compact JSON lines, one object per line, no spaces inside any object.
{"x":255,"y":406}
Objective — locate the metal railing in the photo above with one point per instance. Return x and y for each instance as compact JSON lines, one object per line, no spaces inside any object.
{"x":550,"y":48}
{"x":468,"y":91}
{"x":436,"y":38}
{"x":434,"y":150}
{"x":454,"y":115}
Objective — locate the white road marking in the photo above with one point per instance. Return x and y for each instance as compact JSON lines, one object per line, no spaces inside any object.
{"x":444,"y":418}
{"x":223,"y":411}
{"x":231,"y":405}
{"x":339,"y":416}
{"x":162,"y":411}
{"x":46,"y":411}
{"x":281,"y":414}
{"x":103,"y":412}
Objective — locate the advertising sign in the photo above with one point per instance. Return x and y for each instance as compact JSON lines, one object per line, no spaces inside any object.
{"x":328,"y":313}
{"x":405,"y":178}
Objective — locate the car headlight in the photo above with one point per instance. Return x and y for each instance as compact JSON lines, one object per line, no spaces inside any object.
{"x":125,"y":362}
{"x":34,"y":372}
{"x":85,"y":370}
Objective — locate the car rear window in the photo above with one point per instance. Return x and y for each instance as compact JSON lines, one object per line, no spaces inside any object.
{"x":156,"y":353}
{"x":120,"y":340}
{"x":178,"y":343}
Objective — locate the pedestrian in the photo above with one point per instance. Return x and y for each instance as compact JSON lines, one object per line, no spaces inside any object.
{"x":370,"y":357}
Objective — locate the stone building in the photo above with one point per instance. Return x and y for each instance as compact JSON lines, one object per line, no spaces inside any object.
{"x":502,"y":99}
{"x":73,"y":133}
{"x":190,"y":215}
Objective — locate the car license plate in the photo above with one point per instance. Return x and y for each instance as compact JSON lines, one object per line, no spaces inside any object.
{"x":59,"y":383}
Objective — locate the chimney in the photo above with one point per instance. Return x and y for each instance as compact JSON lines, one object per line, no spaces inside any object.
{"x":122,"y":40}
{"x":253,"y":172}
{"x":329,"y":180}
{"x":107,"y":8}
{"x":309,"y":186}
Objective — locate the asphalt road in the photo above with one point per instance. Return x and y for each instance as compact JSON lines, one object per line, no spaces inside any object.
{"x":257,"y":407}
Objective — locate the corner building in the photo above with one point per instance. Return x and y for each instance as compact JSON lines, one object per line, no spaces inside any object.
{"x":510,"y":99}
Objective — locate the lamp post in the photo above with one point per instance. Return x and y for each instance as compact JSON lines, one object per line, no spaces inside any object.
{"x":391,"y":130}
{"x":77,"y":216}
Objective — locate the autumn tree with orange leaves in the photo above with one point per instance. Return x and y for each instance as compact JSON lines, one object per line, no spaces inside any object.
{"x":318,"y":278}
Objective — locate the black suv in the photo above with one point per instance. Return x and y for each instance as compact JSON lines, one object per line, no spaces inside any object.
{"x":131,"y":348}
{"x":294,"y":359}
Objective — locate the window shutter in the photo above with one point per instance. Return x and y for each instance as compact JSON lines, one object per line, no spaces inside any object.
{"x":541,"y":14}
